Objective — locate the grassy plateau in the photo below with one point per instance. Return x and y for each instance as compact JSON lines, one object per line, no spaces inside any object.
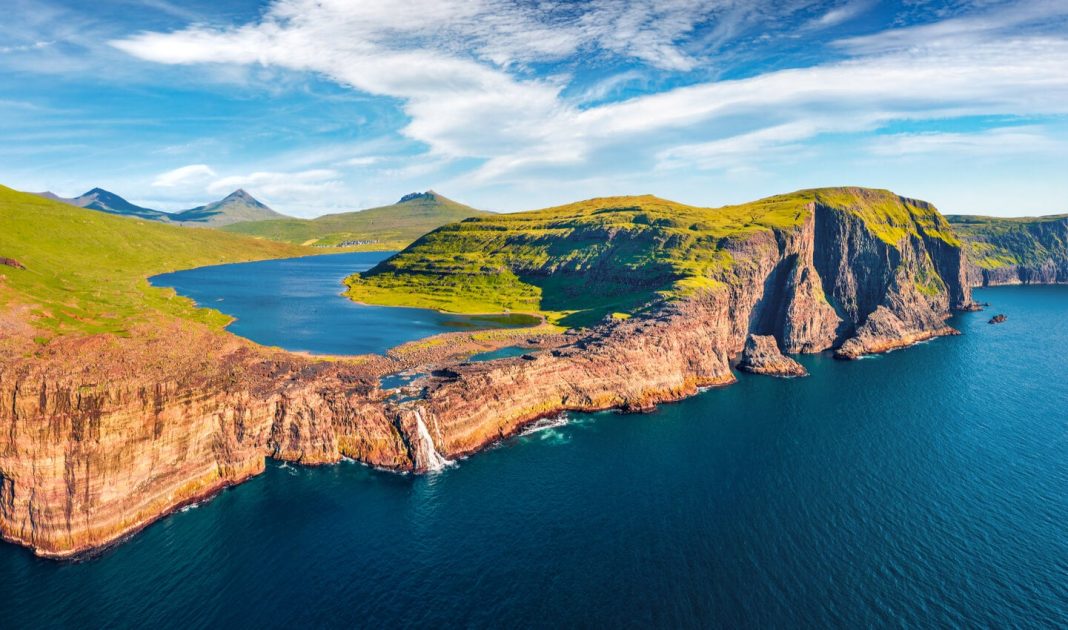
{"x":577,"y":263}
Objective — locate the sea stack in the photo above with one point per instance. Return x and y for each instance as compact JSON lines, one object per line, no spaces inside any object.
{"x":761,"y":355}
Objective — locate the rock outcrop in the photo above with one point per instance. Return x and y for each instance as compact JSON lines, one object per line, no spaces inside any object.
{"x":761,"y":355}
{"x":101,"y":435}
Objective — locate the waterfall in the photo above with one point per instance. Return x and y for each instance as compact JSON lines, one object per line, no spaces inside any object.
{"x":432,"y":459}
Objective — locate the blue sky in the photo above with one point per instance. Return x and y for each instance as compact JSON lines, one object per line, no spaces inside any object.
{"x":320,"y":106}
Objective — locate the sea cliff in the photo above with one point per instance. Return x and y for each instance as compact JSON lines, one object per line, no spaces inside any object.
{"x":1006,"y":251}
{"x":100,"y":433}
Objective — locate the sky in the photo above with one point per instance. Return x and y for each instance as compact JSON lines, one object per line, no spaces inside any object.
{"x":320,"y":106}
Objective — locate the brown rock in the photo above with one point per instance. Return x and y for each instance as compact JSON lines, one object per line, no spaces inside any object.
{"x":101,"y":435}
{"x":761,"y":355}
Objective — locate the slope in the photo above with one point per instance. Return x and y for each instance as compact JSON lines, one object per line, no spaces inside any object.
{"x":85,"y":271}
{"x":386,"y":227}
{"x":107,"y":201}
{"x":236,"y":207}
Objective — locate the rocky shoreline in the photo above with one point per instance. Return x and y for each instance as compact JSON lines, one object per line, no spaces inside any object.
{"x":100,"y":436}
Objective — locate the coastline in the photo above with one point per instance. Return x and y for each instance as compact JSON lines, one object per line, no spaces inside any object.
{"x":215,"y":402}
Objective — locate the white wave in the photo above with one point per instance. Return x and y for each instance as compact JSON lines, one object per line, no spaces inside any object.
{"x":552,"y":422}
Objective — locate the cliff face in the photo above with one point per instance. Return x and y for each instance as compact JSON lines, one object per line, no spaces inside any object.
{"x":93,"y":448}
{"x":101,"y":435}
{"x":828,"y":282}
{"x":1005,"y":251}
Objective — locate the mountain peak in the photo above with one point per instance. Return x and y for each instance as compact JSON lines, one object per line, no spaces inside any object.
{"x":233,"y":208}
{"x":429,"y":195}
{"x":241,"y":194}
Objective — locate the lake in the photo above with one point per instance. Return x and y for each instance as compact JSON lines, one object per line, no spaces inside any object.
{"x":925,"y":488}
{"x":296,"y":304}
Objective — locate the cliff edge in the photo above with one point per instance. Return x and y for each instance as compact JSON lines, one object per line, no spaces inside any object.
{"x":121,"y":407}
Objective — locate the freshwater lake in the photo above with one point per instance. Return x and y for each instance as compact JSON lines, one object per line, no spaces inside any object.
{"x":924,"y":488}
{"x":296,"y":304}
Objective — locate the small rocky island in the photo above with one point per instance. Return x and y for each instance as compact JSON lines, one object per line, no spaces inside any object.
{"x":998,"y":319}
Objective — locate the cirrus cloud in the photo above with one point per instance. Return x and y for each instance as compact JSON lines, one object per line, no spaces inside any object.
{"x":190,"y":175}
{"x":453,"y":67}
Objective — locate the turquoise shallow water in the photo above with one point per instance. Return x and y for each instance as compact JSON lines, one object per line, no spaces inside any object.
{"x":924,"y":488}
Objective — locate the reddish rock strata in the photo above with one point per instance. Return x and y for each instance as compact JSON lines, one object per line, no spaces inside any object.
{"x":101,"y":436}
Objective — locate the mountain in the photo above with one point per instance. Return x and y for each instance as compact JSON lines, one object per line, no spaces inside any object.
{"x":106,"y":201}
{"x":236,"y":207}
{"x":386,"y":227}
{"x":1027,"y":250}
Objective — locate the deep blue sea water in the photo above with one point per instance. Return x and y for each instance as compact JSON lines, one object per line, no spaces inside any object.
{"x":295,"y":304}
{"x":924,"y":488}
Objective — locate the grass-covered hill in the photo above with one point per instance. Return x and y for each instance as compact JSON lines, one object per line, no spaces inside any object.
{"x":387,"y":227}
{"x":82,"y":271}
{"x":999,"y":242}
{"x":579,"y":262}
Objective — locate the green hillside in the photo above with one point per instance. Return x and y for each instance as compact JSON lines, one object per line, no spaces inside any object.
{"x":579,"y":262}
{"x":236,"y":207}
{"x":387,"y":227}
{"x":996,"y":242}
{"x":85,"y":271}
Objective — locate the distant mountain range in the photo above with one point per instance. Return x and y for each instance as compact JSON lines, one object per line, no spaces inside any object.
{"x":236,"y":207}
{"x":385,"y":227}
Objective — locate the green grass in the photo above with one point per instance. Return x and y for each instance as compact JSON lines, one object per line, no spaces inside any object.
{"x":607,"y":257}
{"x":995,"y":242}
{"x":388,"y":227}
{"x":889,"y":216}
{"x":86,"y":271}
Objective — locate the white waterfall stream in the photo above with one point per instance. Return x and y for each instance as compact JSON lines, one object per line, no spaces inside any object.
{"x":430,"y":455}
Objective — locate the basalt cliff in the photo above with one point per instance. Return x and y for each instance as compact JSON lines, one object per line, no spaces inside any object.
{"x":101,"y":433}
{"x":1002,"y":251}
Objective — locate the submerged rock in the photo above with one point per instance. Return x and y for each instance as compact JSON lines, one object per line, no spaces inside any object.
{"x":761,"y":355}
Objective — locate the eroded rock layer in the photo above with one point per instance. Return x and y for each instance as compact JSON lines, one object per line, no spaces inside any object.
{"x":761,"y":355}
{"x":101,"y":435}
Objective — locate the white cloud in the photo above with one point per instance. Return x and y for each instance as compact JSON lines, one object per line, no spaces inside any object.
{"x":740,"y":151}
{"x":457,"y":68}
{"x":364,"y":160}
{"x":1040,"y":15}
{"x":24,"y":47}
{"x":1000,"y":141}
{"x":841,"y":14}
{"x":280,"y":186}
{"x":184,"y":176}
